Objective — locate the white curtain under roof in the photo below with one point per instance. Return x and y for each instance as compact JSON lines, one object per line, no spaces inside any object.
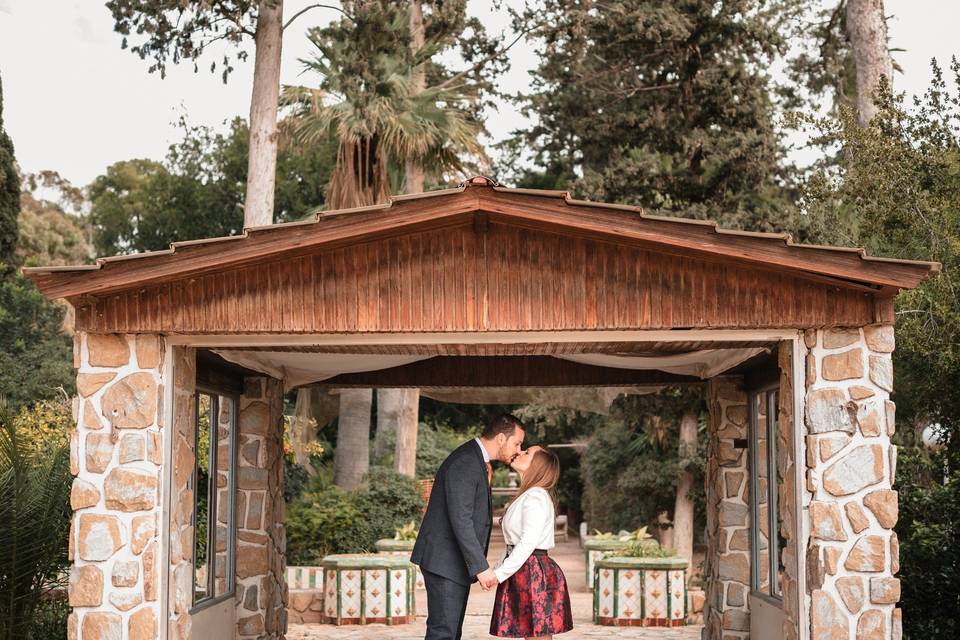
{"x":297,"y":368}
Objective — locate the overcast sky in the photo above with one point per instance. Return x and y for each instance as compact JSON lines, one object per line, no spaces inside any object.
{"x":75,"y":102}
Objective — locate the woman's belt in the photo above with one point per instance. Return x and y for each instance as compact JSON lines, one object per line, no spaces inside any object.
{"x":536,"y":552}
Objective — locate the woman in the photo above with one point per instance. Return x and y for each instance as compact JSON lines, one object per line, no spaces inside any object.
{"x":532,"y":599}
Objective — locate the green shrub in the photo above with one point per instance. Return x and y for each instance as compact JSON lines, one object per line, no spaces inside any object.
{"x":326,"y":519}
{"x":35,"y":485}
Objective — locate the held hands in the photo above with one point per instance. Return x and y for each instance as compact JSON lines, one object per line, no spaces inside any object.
{"x":488,"y":579}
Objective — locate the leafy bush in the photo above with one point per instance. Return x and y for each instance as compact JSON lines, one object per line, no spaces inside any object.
{"x":435,"y":441}
{"x":35,"y":485}
{"x":929,"y":534}
{"x":326,"y":519}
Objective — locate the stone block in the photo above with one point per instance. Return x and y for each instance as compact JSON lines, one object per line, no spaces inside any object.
{"x":255,"y":419}
{"x":98,"y":449}
{"x":142,"y":530}
{"x":858,"y":469}
{"x":733,"y":480}
{"x":131,"y":402}
{"x":85,"y":588}
{"x":851,"y":592}
{"x":867,"y":554}
{"x":894,"y":553}
{"x":132,"y":448}
{"x":827,"y":620}
{"x":83,"y":494}
{"x":883,"y":504}
{"x":130,"y":490}
{"x":881,"y":372}
{"x":861,"y":393}
{"x":142,"y":624}
{"x":832,"y":445}
{"x":74,"y":453}
{"x":149,"y":351}
{"x":154,"y":447}
{"x":125,"y":599}
{"x":827,"y":411}
{"x":89,"y":383}
{"x":250,"y":625}
{"x":99,"y":536}
{"x":737,"y":414}
{"x":831,"y":559}
{"x":125,"y":573}
{"x":843,"y":366}
{"x":101,"y":625}
{"x":107,"y":350}
{"x":733,"y":514}
{"x":884,"y":590}
{"x":837,"y":338}
{"x":90,"y":419}
{"x":251,"y":479}
{"x":736,"y":620}
{"x":896,"y":624}
{"x":890,"y":408}
{"x":149,"y":560}
{"x":251,"y":561}
{"x":872,"y":625}
{"x":879,"y":338}
{"x":856,"y":517}
{"x":826,"y":522}
{"x":869,"y":420}
{"x":734,"y":566}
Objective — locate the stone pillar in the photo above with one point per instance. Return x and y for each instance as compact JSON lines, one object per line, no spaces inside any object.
{"x":261,"y":535}
{"x":181,"y":547}
{"x":852,"y":553}
{"x":727,"y":566}
{"x":787,"y":492}
{"x":116,"y":456}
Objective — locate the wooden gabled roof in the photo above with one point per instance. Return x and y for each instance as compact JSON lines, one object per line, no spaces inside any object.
{"x":482,"y":202}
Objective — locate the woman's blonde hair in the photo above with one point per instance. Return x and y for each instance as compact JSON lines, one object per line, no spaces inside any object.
{"x":543,"y":472}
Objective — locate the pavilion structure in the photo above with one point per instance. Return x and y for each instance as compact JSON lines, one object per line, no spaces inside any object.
{"x":183,"y":357}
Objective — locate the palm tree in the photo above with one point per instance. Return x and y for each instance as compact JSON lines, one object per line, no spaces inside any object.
{"x":370,"y":98}
{"x":34,"y":520}
{"x":373,"y":99}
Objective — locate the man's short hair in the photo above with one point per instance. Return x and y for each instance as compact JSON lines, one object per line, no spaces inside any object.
{"x":503,"y":423}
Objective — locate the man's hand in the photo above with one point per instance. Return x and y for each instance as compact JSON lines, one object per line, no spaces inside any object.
{"x":488,"y":579}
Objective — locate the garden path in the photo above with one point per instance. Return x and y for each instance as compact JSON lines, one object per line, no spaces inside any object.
{"x":568,"y":555}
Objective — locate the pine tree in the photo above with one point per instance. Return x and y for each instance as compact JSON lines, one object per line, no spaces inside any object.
{"x":664,"y":105}
{"x":9,"y":199}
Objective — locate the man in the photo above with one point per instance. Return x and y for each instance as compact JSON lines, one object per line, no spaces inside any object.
{"x":454,"y":537}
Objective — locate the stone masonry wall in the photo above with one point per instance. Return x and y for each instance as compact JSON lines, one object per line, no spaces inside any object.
{"x":260,"y":513}
{"x":852,"y":554}
{"x":787,"y":491}
{"x":116,"y":456}
{"x":181,"y":549}
{"x":727,"y":565}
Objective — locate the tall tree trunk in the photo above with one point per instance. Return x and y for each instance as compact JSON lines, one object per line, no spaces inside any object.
{"x":414,"y":168}
{"x":388,"y":409}
{"x":867,"y":30}
{"x":683,"y":505}
{"x":352,"y":460}
{"x":262,"y":161}
{"x":407,"y":401}
{"x":405,"y":453}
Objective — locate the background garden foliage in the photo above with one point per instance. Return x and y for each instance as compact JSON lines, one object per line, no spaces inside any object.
{"x":665,"y":105}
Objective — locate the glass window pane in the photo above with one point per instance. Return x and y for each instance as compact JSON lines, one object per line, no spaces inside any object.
{"x":224,"y":469}
{"x":201,"y":495}
{"x":761,"y":499}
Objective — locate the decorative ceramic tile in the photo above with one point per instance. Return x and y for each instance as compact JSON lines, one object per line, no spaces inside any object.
{"x":350,"y":593}
{"x":605,"y":593}
{"x":655,"y":593}
{"x":398,"y":593}
{"x":678,"y":595}
{"x":630,"y":586}
{"x":375,"y":593}
{"x":330,"y":592}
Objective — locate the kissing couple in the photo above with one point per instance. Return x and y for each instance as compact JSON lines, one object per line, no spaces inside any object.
{"x":532,"y":600}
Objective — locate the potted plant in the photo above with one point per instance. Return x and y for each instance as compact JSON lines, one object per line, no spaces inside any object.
{"x":601,"y":544}
{"x":642,"y":584}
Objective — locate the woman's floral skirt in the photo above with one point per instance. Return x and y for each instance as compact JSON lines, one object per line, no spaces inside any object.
{"x":532,"y":602}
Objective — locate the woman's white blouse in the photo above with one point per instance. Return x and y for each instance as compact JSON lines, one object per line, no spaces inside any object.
{"x":527,"y":525}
